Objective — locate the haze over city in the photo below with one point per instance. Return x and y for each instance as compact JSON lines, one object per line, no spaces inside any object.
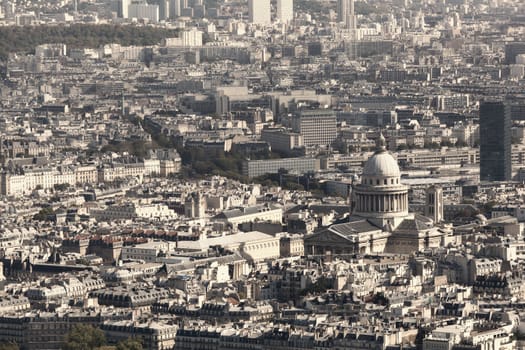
{"x":262,"y":174}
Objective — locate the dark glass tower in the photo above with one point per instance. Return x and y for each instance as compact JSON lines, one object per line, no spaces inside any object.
{"x":495,"y":141}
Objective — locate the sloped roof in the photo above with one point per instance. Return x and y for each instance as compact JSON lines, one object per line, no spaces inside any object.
{"x":352,"y":228}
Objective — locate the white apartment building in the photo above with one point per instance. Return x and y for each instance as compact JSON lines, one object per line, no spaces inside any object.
{"x":131,"y":211}
{"x":254,"y":246}
{"x":242,"y":215}
{"x":259,"y":12}
{"x":31,"y":179}
{"x":144,"y":11}
{"x":187,"y":38}
{"x":151,"y":167}
{"x":285,"y":11}
{"x":147,"y":252}
{"x":86,"y":174}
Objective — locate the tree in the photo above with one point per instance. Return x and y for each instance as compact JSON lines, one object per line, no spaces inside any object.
{"x":61,"y":187}
{"x":9,"y":346}
{"x":130,"y":344}
{"x":44,"y":214}
{"x":24,"y":39}
{"x":84,"y":337}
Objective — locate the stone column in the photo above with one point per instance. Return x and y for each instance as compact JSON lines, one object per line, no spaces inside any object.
{"x":396,"y":202}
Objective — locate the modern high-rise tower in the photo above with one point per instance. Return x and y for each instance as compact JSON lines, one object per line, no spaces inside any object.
{"x":123,"y":8}
{"x":174,"y":8}
{"x":164,"y":9}
{"x":495,"y":141}
{"x":346,"y":13}
{"x":285,"y":11}
{"x":259,"y":11}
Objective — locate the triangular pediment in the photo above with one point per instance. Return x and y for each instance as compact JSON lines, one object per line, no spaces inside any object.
{"x":326,"y":237}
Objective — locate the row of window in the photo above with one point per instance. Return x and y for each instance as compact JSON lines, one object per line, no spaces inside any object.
{"x":378,"y":182}
{"x":262,"y":246}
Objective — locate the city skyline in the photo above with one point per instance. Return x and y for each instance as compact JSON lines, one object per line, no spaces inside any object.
{"x":262,"y":175}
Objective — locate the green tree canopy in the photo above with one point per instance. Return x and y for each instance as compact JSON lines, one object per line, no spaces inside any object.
{"x":24,"y":39}
{"x":44,"y":214}
{"x":130,"y":344}
{"x":9,"y":346}
{"x":84,"y":337}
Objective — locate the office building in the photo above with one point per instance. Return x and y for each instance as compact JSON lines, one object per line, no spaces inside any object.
{"x":495,"y":141}
{"x":346,"y":13}
{"x":123,"y":8}
{"x":174,"y":8}
{"x":164,"y":9}
{"x":512,"y":50}
{"x":285,"y":11}
{"x":282,"y":140}
{"x":191,"y":38}
{"x":254,"y":168}
{"x":317,"y":127}
{"x":140,"y":10}
{"x":259,"y":12}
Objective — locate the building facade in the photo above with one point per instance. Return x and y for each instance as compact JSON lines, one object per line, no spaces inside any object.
{"x":259,"y":12}
{"x":495,"y":141}
{"x":346,"y":13}
{"x":318,"y":127}
{"x":254,"y":168}
{"x":285,"y":11}
{"x":380,"y":221}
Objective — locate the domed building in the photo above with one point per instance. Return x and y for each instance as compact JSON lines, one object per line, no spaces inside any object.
{"x":380,"y":221}
{"x":380,"y":197}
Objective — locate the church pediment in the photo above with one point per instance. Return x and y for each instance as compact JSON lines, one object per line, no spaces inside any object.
{"x":326,"y":237}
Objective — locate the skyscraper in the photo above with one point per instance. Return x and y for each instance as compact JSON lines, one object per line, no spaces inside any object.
{"x":495,"y":141}
{"x":164,"y":9}
{"x":123,"y":8}
{"x":512,"y":50}
{"x":174,"y":8}
{"x":346,"y":13}
{"x":285,"y":10}
{"x":259,"y":11}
